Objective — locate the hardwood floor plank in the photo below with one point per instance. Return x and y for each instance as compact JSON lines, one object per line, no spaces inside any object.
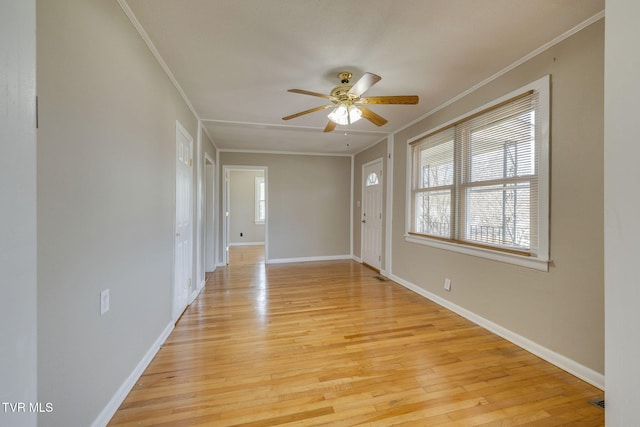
{"x":326,"y":343}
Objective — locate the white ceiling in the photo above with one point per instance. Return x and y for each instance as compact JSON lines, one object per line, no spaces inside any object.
{"x":235,"y":59}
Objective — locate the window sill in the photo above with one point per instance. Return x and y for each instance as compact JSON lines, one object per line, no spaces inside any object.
{"x":259,"y":222}
{"x":506,"y":257}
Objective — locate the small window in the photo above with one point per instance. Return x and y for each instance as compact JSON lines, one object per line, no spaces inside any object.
{"x":261,"y":207}
{"x":480,"y":183}
{"x":372,"y":179}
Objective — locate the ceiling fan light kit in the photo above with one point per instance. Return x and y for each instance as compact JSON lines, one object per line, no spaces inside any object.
{"x":345,"y":115}
{"x":348,"y":105}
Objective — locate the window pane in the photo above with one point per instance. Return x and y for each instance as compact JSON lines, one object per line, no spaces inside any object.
{"x":435,"y":160}
{"x":260,"y":200}
{"x":372,"y":179}
{"x":499,"y":215}
{"x":433,"y":213}
{"x":503,"y":149}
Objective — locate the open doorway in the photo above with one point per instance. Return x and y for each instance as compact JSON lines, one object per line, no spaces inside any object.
{"x":209,"y":214}
{"x":245,"y":207}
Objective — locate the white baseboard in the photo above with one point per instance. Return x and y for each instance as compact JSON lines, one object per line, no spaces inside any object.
{"x":196,"y":292}
{"x":308,"y":259}
{"x":107,"y":413}
{"x":247,"y":244}
{"x":571,"y":366}
{"x":356,"y":259}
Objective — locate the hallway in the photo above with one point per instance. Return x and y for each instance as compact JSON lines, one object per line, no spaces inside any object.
{"x":333,"y":343}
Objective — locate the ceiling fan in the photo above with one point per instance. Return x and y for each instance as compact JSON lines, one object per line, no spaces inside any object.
{"x":348,"y":105}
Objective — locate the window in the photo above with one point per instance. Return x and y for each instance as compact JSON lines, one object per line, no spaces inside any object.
{"x":372,"y":179}
{"x":480,"y":183}
{"x":260,"y":200}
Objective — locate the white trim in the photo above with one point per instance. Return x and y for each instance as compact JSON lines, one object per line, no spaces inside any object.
{"x":308,"y":259}
{"x":132,"y":17}
{"x":356,"y":259}
{"x":214,"y":191}
{"x":116,"y":400}
{"x":541,"y":260}
{"x":571,"y":366}
{"x":247,"y":244}
{"x":351,"y":209}
{"x":291,"y":153}
{"x":198,"y":230}
{"x":388,"y":253}
{"x":258,"y":125}
{"x":508,"y":68}
{"x":521,"y":260}
{"x":195,"y":293}
{"x":257,"y":180}
{"x":220,"y":181}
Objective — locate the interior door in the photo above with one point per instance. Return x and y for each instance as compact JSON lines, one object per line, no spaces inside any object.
{"x":372,"y":214}
{"x":184,"y":221}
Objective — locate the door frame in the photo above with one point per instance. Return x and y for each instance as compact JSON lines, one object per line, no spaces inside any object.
{"x":363,"y":179}
{"x":210,"y":217}
{"x":226,"y":169}
{"x":177,"y":307}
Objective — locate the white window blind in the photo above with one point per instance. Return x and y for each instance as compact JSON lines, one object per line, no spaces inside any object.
{"x":475,"y":181}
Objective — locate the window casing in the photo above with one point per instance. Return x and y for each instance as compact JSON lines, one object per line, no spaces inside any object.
{"x":260,"y":200}
{"x":479,"y":184}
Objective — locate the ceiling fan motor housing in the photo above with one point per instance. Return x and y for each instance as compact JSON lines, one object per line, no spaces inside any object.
{"x":344,"y":77}
{"x":341,"y":93}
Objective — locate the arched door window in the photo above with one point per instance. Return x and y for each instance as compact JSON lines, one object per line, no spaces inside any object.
{"x":372,"y":179}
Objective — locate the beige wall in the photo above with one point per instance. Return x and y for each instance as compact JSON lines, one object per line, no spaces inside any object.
{"x":562,"y":309}
{"x":106,"y":190}
{"x":18,"y":288}
{"x":308,"y":200}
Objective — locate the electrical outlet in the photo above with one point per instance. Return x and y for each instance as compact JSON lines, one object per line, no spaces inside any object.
{"x":447,"y":285}
{"x":104,"y":301}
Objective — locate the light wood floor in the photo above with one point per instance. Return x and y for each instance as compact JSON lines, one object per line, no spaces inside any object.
{"x":328,"y":343}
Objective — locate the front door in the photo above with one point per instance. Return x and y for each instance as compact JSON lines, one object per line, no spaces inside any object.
{"x":372,"y":214}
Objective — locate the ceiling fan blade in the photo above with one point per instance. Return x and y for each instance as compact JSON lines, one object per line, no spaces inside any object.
{"x":313,"y":110}
{"x":408,"y":99}
{"x":372,"y":117}
{"x":365,"y":82}
{"x":330,"y":126}
{"x":307,"y":92}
